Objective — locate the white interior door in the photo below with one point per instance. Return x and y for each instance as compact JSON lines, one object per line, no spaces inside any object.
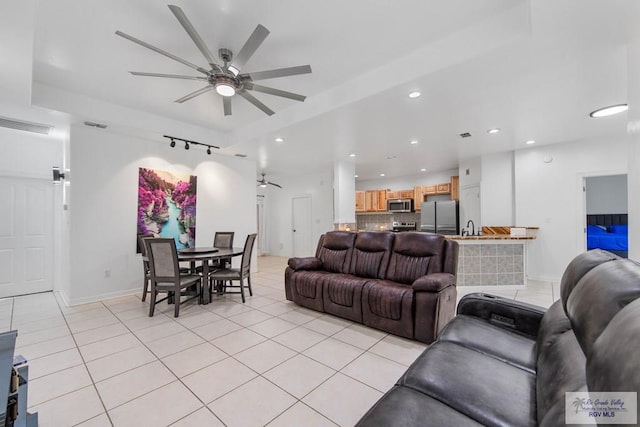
{"x":470,"y":207}
{"x":26,"y":236}
{"x":262,"y":229}
{"x":301,"y":226}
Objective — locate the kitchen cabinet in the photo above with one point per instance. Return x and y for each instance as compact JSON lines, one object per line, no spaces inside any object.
{"x":360,"y":201}
{"x":370,"y":200}
{"x":428,"y":190}
{"x":418,"y":197}
{"x":382,"y":200}
{"x":400,"y":194}
{"x":444,"y":188}
{"x":455,"y":188}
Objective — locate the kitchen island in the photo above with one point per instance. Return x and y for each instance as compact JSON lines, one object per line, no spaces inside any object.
{"x":493,"y":259}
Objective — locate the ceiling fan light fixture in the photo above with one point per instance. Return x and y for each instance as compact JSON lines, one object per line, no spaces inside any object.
{"x":263,"y":185}
{"x":609,"y":111}
{"x":225,"y":88}
{"x":233,"y":70}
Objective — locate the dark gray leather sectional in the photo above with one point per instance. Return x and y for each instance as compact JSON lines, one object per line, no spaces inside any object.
{"x":402,"y":283}
{"x":500,"y":362}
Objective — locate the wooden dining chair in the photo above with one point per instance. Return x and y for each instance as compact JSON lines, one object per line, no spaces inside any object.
{"x":237,"y":274}
{"x":146,"y":274}
{"x":165,"y":274}
{"x":223,"y":240}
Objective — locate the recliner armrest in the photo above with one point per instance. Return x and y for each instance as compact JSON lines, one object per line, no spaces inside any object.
{"x":308,"y":263}
{"x":434,"y":282}
{"x":503,"y":312}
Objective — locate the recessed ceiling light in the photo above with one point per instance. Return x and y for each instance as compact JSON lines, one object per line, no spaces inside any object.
{"x":352,"y":155}
{"x":529,"y":142}
{"x":414,"y":94}
{"x":391,"y":157}
{"x":355,"y":176}
{"x":494,"y":130}
{"x":609,"y":111}
{"x":423,"y":170}
{"x":278,"y":139}
{"x":413,"y":142}
{"x":381,"y":174}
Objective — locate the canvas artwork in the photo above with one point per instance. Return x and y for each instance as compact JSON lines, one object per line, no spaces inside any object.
{"x":167,"y":206}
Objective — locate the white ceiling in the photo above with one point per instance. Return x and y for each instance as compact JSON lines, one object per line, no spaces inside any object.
{"x":534,"y":69}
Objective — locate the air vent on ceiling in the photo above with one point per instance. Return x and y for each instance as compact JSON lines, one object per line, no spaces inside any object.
{"x":465,"y":135}
{"x":95,"y":125}
{"x":25,"y":126}
{"x":240,"y":155}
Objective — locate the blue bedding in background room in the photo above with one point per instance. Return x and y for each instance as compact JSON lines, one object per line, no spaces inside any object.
{"x":613,"y":238}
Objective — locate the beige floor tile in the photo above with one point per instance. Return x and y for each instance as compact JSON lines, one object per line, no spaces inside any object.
{"x":265,"y":399}
{"x":58,"y":384}
{"x":342,"y":399}
{"x":153,"y":333}
{"x":218,"y":379}
{"x":94,"y":313}
{"x":53,"y":363}
{"x":272,"y":327}
{"x":237,"y":341}
{"x":203,"y":317}
{"x":109,"y":346}
{"x":39,"y":325}
{"x":264,"y":356}
{"x":134,"y":383}
{"x":299,"y":375}
{"x":138,"y":323}
{"x":41,"y":336}
{"x":360,"y":336}
{"x":126,"y":304}
{"x":216,"y":329}
{"x":300,"y":338}
{"x":256,"y":301}
{"x":70,"y":409}
{"x":134,"y":313}
{"x":301,"y":415}
{"x":201,"y":417}
{"x":398,"y":349}
{"x":227,"y":308}
{"x":34,"y":351}
{"x":327,"y":324}
{"x":101,"y":420}
{"x":193,"y":359}
{"x":161,"y":407}
{"x":375,"y":371}
{"x":99,"y":334}
{"x":333,"y":353}
{"x":93,"y":323}
{"x":300,"y":317}
{"x":278,"y":308}
{"x":118,"y":363}
{"x":250,"y":317}
{"x":174,"y":343}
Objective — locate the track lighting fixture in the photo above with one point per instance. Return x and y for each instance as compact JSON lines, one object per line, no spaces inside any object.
{"x":187,"y":143}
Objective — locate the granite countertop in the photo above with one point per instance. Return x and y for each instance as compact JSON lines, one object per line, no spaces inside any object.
{"x":491,"y":237}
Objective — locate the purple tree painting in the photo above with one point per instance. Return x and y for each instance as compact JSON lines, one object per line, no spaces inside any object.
{"x":167,"y":206}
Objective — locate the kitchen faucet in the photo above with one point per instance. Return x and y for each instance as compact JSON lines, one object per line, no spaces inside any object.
{"x":473,"y":228}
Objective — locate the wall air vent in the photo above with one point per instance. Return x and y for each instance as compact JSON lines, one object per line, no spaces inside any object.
{"x":465,"y":135}
{"x":25,"y":126}
{"x":240,"y":155}
{"x":95,"y":125}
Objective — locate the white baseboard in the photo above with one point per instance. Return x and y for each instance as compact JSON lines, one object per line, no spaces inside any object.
{"x":70,"y":302}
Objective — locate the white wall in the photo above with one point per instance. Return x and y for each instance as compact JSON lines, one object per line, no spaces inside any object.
{"x":607,"y":194}
{"x":278,"y":206}
{"x":549,"y":195}
{"x":496,"y":189}
{"x":103,"y":205}
{"x":344,"y":197}
{"x":470,"y":172}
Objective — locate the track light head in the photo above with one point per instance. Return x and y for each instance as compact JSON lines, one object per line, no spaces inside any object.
{"x":208,"y":150}
{"x":173,"y":143}
{"x":186,"y":145}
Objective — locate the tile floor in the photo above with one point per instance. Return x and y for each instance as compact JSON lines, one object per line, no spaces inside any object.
{"x":266,"y":362}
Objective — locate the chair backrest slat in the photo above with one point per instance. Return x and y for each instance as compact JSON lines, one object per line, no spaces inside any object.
{"x":246,"y":254}
{"x":163,"y":259}
{"x":223,"y":239}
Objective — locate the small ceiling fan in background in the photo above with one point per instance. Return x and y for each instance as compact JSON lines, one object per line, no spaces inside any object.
{"x":226,"y":78}
{"x":263,"y":182}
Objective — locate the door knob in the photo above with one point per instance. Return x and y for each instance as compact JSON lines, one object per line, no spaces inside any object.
{"x":294,"y":231}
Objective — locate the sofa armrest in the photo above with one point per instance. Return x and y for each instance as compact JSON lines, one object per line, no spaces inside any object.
{"x":503,"y":312}
{"x":434,"y":282}
{"x":308,"y":263}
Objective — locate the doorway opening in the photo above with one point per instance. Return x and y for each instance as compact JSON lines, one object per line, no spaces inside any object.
{"x":606,"y":213}
{"x":301,"y":226}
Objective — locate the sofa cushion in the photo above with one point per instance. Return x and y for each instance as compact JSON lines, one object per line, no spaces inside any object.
{"x":388,"y":306}
{"x":306,"y":288}
{"x":580,"y":266}
{"x":414,"y":255}
{"x":342,"y":296}
{"x":609,"y":286}
{"x":402,"y":406}
{"x":308,"y":263}
{"x":477,"y":334}
{"x":335,"y":251}
{"x":479,"y":386}
{"x":371,"y":254}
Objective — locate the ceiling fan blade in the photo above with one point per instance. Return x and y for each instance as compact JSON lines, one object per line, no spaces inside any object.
{"x":279,"y":72}
{"x":274,"y":184}
{"x":249,"y":48}
{"x":169,"y":76}
{"x":162,"y":52}
{"x":252,"y":99}
{"x":272,"y":91}
{"x":190,"y":29}
{"x":194,"y":94}
{"x":226,"y":104}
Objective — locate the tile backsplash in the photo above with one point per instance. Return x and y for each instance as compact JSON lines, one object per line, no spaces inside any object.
{"x":384,"y":221}
{"x":497,"y":264}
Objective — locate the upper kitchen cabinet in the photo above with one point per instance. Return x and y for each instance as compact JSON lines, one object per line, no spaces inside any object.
{"x":375,"y":200}
{"x":444,"y":188}
{"x":360,"y":201}
{"x":455,"y":188}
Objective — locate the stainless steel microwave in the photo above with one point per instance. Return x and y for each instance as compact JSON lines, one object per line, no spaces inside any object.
{"x":400,"y":205}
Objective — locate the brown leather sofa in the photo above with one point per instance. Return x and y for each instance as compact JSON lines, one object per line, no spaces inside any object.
{"x":402,"y":283}
{"x":504,"y":363}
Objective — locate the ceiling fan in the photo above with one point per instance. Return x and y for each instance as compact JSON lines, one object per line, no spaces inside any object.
{"x":263,"y":182}
{"x":225,"y":78}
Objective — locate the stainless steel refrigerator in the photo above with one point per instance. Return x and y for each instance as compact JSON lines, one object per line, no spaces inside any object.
{"x":442,"y":217}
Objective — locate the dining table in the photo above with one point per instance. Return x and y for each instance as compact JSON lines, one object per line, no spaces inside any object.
{"x":205,"y":254}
